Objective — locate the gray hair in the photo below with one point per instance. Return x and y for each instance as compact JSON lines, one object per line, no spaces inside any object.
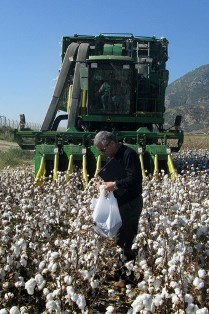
{"x":104,"y":137}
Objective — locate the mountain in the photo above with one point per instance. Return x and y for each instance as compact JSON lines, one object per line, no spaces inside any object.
{"x":189,"y":96}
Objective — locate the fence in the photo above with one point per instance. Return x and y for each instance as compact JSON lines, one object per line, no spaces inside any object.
{"x":14,"y":124}
{"x":7,"y":126}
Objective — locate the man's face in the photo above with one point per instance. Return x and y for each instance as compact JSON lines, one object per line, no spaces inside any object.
{"x":109,"y":150}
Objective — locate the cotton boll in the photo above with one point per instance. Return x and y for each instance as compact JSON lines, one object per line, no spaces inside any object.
{"x":8,"y":296}
{"x":202,"y":273}
{"x":68,"y":280}
{"x":198,"y":283}
{"x":52,"y":267}
{"x":94,"y":283}
{"x":20,"y":282}
{"x":23,"y":261}
{"x":14,"y":310}
{"x":202,"y":311}
{"x":109,"y":309}
{"x":30,"y":286}
{"x":41,"y":265}
{"x":142,"y":285}
{"x":191,"y":309}
{"x":81,"y":302}
{"x":3,"y":311}
{"x":54,"y":255}
{"x":188,"y":298}
{"x":40,"y":281}
{"x":49,"y":296}
{"x":52,"y":306}
{"x":111,"y":293}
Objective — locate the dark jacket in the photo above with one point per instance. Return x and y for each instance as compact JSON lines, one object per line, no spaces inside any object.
{"x":129,"y":187}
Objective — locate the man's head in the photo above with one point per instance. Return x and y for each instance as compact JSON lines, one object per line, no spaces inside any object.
{"x":106,"y":143}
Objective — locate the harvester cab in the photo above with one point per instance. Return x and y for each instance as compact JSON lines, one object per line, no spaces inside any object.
{"x":113,"y":82}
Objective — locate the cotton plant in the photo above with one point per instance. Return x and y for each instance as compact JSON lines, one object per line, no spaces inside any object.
{"x":49,"y":251}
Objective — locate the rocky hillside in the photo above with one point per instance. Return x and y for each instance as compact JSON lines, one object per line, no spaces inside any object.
{"x":189,"y":97}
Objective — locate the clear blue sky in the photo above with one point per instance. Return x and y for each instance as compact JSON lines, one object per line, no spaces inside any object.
{"x":31,"y":32}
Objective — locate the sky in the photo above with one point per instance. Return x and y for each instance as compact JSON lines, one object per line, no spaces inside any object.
{"x":31,"y":32}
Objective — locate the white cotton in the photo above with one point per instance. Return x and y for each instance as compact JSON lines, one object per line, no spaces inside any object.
{"x":52,"y":267}
{"x":198,"y":283}
{"x":142,"y":285}
{"x":16,"y":249}
{"x":23,"y":262}
{"x":158,"y":300}
{"x":40,"y":281}
{"x":46,"y":291}
{"x":129,"y":265}
{"x":81,"y":302}
{"x":94,"y":284}
{"x":68,"y":280}
{"x":56,"y":293}
{"x":30,"y":286}
{"x":204,"y":310}
{"x":201,"y":273}
{"x":160,"y":251}
{"x":49,"y":296}
{"x":109,"y":309}
{"x":8,"y":296}
{"x":159,"y":260}
{"x":191,"y":309}
{"x":188,"y":298}
{"x":70,"y":290}
{"x":53,"y":306}
{"x":22,"y":243}
{"x":14,"y":310}
{"x":3,"y":311}
{"x":54,"y":255}
{"x":85,"y":274}
{"x":111,"y":292}
{"x":41,"y":265}
{"x":20,"y":282}
{"x":143,"y":301}
{"x":175,"y":299}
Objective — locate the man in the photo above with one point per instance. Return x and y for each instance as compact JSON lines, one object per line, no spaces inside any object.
{"x":127,"y":190}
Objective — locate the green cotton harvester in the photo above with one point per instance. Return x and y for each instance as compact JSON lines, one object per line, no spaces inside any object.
{"x":113,"y":82}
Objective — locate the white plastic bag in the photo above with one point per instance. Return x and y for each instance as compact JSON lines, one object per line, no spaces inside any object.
{"x":106,"y":215}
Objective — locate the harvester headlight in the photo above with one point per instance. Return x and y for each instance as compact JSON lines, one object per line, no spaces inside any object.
{"x":83,"y":151}
{"x":168,"y":151}
{"x":56,"y":150}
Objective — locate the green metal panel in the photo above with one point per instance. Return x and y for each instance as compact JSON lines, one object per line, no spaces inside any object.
{"x":115,"y":49}
{"x":76,"y":150}
{"x":160,"y":150}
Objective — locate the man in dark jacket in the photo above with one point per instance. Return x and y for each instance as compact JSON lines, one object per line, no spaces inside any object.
{"x":127,"y":189}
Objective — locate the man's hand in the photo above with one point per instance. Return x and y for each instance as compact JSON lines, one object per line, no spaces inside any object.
{"x":110,"y":186}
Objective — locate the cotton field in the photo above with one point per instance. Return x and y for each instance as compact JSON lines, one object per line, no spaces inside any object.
{"x":51,"y":260}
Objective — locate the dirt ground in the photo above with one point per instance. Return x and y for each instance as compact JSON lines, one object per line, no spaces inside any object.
{"x":5,"y":145}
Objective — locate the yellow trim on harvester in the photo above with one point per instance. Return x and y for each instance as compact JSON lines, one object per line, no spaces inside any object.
{"x":156,"y":166}
{"x":56,"y":162}
{"x":142,"y":165}
{"x":70,"y":168}
{"x":171,"y":169}
{"x":98,"y":165}
{"x":85,"y":175}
